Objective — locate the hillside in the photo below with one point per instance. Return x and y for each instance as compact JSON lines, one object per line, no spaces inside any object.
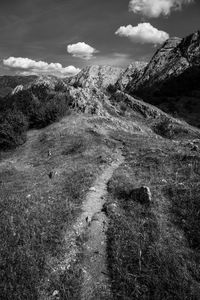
{"x":171,"y":79}
{"x":99,"y":195}
{"x":8,"y":83}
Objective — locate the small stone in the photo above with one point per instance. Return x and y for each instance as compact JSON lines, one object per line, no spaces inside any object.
{"x":55,"y":293}
{"x":51,"y":175}
{"x":164,"y":180}
{"x":92,"y":189}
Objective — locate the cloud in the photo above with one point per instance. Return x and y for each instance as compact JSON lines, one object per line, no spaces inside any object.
{"x":28,"y":66}
{"x":155,"y":8}
{"x":81,"y":50}
{"x":143,"y":33}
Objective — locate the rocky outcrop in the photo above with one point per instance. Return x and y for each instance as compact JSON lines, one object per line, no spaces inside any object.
{"x":138,"y":107}
{"x":17,"y":89}
{"x":190,"y":48}
{"x":87,"y":100}
{"x":158,"y":121}
{"x":133,"y":72}
{"x":96,"y":77}
{"x":141,"y":195}
{"x":171,"y":60}
{"x":50,"y":82}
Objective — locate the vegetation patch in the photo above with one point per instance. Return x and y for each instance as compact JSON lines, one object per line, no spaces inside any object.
{"x":34,"y":108}
{"x":37,"y":212}
{"x":153,"y":250}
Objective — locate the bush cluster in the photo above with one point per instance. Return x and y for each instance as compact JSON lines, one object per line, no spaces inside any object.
{"x":112,"y":89}
{"x":13,"y":127}
{"x":34,"y":108}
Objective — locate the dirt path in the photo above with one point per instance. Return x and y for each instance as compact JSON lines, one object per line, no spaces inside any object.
{"x":96,"y":283}
{"x":90,"y":227}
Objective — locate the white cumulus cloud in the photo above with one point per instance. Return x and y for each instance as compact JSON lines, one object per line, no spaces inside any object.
{"x":81,"y":50}
{"x":155,"y":8}
{"x":28,"y":66}
{"x":143,"y":33}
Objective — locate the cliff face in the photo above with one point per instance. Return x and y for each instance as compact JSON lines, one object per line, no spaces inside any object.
{"x":190,"y":48}
{"x":171,"y":79}
{"x":170,"y":61}
{"x":96,"y":77}
{"x":133,"y":72}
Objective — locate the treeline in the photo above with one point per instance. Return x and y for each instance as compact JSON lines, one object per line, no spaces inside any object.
{"x":33,"y":108}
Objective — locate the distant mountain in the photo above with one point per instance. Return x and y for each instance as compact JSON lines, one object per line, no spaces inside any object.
{"x":8,"y":83}
{"x":171,"y":79}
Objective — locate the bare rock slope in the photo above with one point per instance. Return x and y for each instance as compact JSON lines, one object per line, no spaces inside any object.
{"x":96,"y":77}
{"x":133,"y":72}
{"x":174,"y":57}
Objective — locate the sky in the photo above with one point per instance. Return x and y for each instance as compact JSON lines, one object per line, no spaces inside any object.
{"x":60,"y":37}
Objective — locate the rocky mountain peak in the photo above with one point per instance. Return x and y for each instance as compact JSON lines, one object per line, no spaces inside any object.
{"x":170,"y":44}
{"x":173,"y":58}
{"x":190,"y":48}
{"x":96,"y":76}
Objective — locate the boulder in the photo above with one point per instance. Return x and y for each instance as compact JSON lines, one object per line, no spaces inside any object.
{"x":142,"y":195}
{"x":109,"y":208}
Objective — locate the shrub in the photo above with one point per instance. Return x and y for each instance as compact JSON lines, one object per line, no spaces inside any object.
{"x":13,"y":126}
{"x":30,"y":110}
{"x":52,"y":111}
{"x":112,"y":89}
{"x":169,"y":130}
{"x":40,"y":91}
{"x":77,"y":85}
{"x":60,"y":87}
{"x":123,"y":107}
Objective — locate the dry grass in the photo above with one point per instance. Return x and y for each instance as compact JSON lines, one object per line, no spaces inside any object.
{"x":153,"y":250}
{"x":36,"y":211}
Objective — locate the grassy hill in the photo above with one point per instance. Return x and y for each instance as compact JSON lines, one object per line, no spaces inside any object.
{"x":76,"y":176}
